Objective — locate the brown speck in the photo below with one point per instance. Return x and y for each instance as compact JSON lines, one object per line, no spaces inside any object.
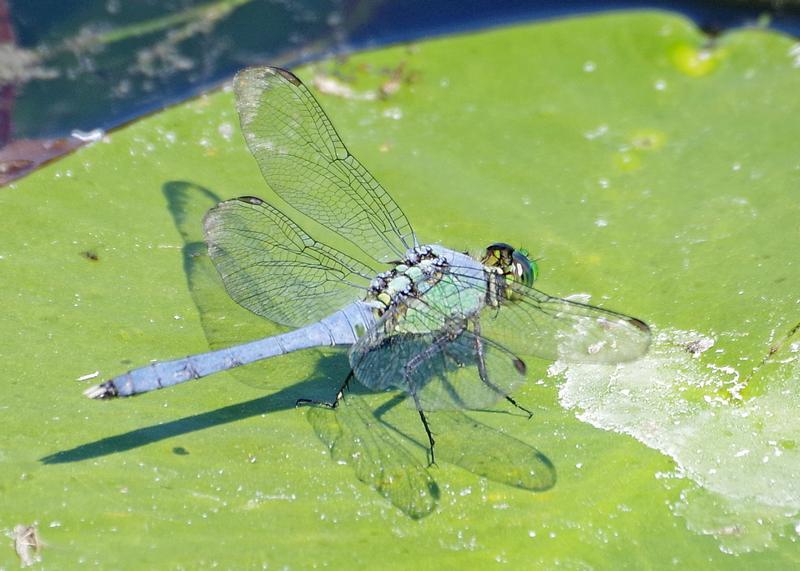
{"x":390,"y":87}
{"x":699,"y":346}
{"x":90,"y":255}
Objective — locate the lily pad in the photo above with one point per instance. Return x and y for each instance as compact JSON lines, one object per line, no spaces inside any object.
{"x":646,"y":165}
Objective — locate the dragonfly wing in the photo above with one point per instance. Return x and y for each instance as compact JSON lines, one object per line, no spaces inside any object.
{"x":534,"y":323}
{"x":305,"y":162}
{"x":272,"y":267}
{"x":452,"y":366}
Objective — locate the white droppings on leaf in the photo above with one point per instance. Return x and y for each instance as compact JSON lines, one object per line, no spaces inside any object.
{"x":794,"y":53}
{"x":674,"y":403}
{"x":225,"y":130}
{"x":393,"y":113}
{"x":598,"y":131}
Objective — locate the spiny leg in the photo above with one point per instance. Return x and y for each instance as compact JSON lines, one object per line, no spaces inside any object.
{"x":422,"y":417}
{"x":331,"y":405}
{"x":484,"y":374}
{"x":411,"y":366}
{"x":519,"y":406}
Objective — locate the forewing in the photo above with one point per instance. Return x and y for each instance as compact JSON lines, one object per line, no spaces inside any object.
{"x":305,"y":162}
{"x":534,"y":323}
{"x":273,"y":268}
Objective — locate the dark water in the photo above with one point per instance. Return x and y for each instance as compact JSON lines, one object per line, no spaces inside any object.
{"x":100,"y":63}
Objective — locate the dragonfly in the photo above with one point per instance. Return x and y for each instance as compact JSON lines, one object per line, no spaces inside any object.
{"x":445,"y":327}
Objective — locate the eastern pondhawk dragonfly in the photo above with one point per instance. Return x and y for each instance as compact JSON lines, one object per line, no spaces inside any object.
{"x":443,"y":326}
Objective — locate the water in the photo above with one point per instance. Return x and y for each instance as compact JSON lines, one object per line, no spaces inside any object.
{"x":109,"y":62}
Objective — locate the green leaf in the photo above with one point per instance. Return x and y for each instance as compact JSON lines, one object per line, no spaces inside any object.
{"x":641,"y":162}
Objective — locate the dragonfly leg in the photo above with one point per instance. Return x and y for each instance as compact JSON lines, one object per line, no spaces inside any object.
{"x":410,"y":367}
{"x":484,"y":374}
{"x":431,"y":440}
{"x":519,"y":406}
{"x":327,"y":404}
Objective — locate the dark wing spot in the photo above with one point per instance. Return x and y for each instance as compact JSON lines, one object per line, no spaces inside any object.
{"x":287,"y":75}
{"x":639,"y":324}
{"x":520,"y":366}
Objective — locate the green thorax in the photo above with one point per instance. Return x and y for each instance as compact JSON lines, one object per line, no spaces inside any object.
{"x":430,"y":289}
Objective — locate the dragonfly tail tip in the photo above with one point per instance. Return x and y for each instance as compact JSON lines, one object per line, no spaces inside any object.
{"x":105,"y":390}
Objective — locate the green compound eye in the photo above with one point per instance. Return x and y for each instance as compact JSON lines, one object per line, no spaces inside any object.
{"x":525,"y":271}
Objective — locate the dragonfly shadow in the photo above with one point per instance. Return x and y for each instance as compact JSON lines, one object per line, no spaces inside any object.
{"x":187,"y":203}
{"x":281,"y":400}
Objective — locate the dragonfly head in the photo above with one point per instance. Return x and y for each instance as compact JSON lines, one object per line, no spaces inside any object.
{"x":515,"y":264}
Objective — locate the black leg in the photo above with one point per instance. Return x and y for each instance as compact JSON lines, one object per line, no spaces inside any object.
{"x":411,"y":366}
{"x":331,"y":405}
{"x":431,"y":441}
{"x":519,"y":406}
